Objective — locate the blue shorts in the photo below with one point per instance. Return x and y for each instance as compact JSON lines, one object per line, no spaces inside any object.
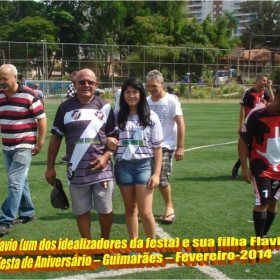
{"x":134,"y":172}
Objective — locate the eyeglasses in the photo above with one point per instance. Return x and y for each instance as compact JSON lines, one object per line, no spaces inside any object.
{"x":83,"y":82}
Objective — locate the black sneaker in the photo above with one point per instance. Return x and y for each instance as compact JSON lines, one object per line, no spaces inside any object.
{"x":4,"y":229}
{"x":234,"y":173}
{"x":22,"y":220}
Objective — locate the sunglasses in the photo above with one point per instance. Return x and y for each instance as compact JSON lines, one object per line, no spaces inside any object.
{"x":83,"y":82}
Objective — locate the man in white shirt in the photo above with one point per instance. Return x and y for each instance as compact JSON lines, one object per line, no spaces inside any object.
{"x":169,"y":111}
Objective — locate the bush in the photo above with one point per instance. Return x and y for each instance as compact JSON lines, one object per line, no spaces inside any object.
{"x":232,"y":88}
{"x":197,"y":95}
{"x":108,"y":95}
{"x":214,"y":92}
{"x":199,"y":91}
{"x":183,"y":90}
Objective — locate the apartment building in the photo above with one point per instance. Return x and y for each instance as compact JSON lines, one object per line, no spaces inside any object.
{"x":201,"y":8}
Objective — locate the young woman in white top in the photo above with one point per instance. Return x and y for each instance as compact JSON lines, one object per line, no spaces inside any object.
{"x":138,"y":156}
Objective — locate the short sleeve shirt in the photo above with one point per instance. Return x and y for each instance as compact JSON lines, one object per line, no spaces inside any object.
{"x":40,"y":93}
{"x":261,"y":132}
{"x":252,"y":98}
{"x":167,"y":108}
{"x":137,"y":142}
{"x":19,"y":115}
{"x":85,"y":128}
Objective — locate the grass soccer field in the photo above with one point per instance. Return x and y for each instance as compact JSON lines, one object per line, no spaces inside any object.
{"x":209,"y":204}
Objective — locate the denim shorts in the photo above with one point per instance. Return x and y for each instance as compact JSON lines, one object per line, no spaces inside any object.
{"x":134,"y":172}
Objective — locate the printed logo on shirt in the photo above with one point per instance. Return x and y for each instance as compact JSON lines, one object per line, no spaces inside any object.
{"x":275,"y":184}
{"x":94,"y":140}
{"x":99,"y":115}
{"x":70,"y":172}
{"x":76,"y":115}
{"x":132,"y":142}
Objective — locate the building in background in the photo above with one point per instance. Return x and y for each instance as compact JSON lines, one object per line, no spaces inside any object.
{"x":201,"y":8}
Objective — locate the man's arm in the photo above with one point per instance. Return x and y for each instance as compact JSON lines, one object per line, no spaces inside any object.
{"x":270,"y":91}
{"x":241,"y":117}
{"x":54,"y":146}
{"x":179,"y":153}
{"x":42,"y":128}
{"x":243,"y":154}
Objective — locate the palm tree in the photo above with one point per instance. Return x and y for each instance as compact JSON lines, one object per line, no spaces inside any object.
{"x":232,"y":20}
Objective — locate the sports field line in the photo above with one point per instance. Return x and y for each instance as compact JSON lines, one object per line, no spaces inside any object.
{"x":207,"y":146}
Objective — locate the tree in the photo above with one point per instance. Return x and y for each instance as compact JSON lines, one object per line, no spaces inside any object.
{"x":104,"y":20}
{"x":232,"y":20}
{"x":265,"y":20}
{"x":111,"y":26}
{"x":71,"y":20}
{"x":33,"y":29}
{"x":275,"y":75}
{"x":13,"y":11}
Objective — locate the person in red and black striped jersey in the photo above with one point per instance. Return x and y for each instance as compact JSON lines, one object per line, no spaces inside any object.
{"x":21,"y":115}
{"x":260,"y":133}
{"x":253,"y":97}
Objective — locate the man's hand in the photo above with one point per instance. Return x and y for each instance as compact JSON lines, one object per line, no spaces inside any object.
{"x":239,"y":129}
{"x":50,"y":176}
{"x":179,"y":154}
{"x":37,"y":149}
{"x":269,"y":83}
{"x":100,"y":162}
{"x":246,"y":174}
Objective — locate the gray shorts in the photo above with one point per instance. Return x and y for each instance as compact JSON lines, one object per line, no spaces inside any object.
{"x":102,"y":197}
{"x":166,"y":167}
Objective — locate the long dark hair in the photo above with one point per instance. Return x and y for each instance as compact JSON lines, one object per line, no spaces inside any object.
{"x":143,"y":109}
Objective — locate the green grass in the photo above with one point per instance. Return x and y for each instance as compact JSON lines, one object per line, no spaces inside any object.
{"x":208,"y":203}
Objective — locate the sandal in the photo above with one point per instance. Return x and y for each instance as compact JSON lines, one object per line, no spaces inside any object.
{"x":164,"y":220}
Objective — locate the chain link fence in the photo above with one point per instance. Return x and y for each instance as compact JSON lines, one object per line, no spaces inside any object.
{"x":195,"y":72}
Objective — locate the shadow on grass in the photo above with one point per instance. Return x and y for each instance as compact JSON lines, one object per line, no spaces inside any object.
{"x":118,"y":218}
{"x":214,"y":178}
{"x":44,"y":163}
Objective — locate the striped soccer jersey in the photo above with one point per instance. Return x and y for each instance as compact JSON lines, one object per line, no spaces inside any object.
{"x":18,"y":116}
{"x":252,"y":98}
{"x":85,"y":127}
{"x":261,"y":132}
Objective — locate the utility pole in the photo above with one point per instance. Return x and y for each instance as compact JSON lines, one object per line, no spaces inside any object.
{"x":43,"y":68}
